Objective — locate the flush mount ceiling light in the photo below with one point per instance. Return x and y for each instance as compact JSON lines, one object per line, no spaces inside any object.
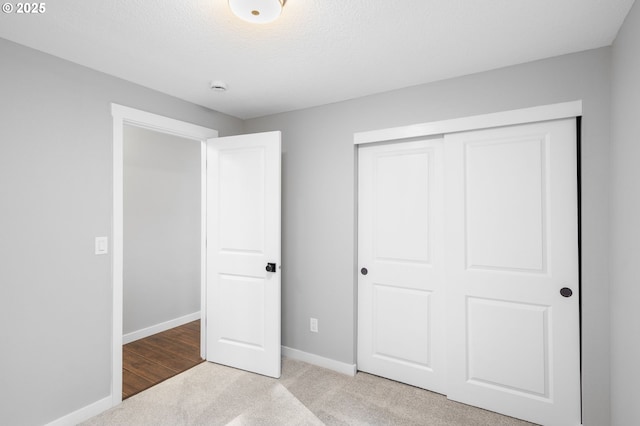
{"x":257,"y":11}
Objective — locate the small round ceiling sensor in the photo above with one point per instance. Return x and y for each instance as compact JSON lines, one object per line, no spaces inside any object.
{"x":219,"y":86}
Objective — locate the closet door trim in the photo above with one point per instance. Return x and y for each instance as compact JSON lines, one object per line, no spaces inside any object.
{"x":476,"y":122}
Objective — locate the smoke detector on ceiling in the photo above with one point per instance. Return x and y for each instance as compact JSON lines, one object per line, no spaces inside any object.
{"x":219,"y":86}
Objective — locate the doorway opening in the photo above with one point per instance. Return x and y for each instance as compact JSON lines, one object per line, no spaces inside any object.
{"x":161,"y":282}
{"x":125,"y":116}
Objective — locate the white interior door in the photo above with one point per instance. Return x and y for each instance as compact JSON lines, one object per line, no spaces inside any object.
{"x":512,"y":246}
{"x":243,"y":237}
{"x":400,"y":285}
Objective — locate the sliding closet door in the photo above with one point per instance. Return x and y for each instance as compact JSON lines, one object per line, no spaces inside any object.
{"x":400,"y":285}
{"x":512,"y":271}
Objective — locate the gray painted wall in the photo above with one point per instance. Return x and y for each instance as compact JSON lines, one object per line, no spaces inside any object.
{"x":55,"y":194}
{"x":625,"y":235}
{"x":55,"y":187}
{"x":319,"y":196}
{"x":161,"y":228}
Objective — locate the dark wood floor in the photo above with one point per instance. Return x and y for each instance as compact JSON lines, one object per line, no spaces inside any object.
{"x":149,"y":361}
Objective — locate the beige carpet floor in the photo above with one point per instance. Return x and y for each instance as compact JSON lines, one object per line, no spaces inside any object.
{"x":211,"y":394}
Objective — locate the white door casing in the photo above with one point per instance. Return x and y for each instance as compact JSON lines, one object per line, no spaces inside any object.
{"x":243,"y":236}
{"x":512,"y":245}
{"x":400,"y":299}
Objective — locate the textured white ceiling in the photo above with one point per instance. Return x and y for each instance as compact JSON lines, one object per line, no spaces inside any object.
{"x":318,"y":52}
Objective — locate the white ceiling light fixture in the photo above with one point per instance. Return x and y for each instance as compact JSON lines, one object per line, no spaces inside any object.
{"x":257,"y":11}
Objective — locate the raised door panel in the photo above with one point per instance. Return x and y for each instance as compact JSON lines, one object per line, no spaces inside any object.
{"x":401,"y":206}
{"x":505,"y":198}
{"x":241,"y":205}
{"x":402,"y":325}
{"x":508,"y":346}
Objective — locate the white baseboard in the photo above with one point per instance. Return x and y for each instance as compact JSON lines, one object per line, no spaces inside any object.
{"x":84,"y":413}
{"x":167,"y":325}
{"x":331,"y":364}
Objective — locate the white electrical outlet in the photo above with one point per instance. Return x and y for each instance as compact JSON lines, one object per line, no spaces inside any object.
{"x":313,"y":324}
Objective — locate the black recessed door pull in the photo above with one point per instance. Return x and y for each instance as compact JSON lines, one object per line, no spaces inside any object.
{"x":271,"y":267}
{"x":566,"y":292}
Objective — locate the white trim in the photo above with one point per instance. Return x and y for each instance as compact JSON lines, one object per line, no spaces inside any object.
{"x":476,"y":122}
{"x":331,"y":364}
{"x":203,"y":249}
{"x":84,"y":413}
{"x":117,"y":261}
{"x":124,"y":115}
{"x":161,"y":123}
{"x":159,"y":328}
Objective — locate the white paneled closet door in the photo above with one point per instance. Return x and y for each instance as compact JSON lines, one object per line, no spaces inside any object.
{"x":482,"y":226}
{"x":512,"y":271}
{"x":400,"y":286}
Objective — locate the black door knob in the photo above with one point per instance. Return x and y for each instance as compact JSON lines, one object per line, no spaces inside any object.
{"x":566,"y":292}
{"x":364,"y":271}
{"x":271,"y":267}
